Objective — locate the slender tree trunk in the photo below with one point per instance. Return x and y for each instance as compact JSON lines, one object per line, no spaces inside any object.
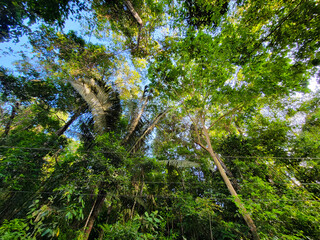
{"x":138,"y":19}
{"x":229,"y":174}
{"x":133,"y":12}
{"x":93,"y":206}
{"x":68,"y":123}
{"x":211,"y":236}
{"x":13,"y":114}
{"x":181,"y":225}
{"x":95,"y":212}
{"x":135,"y":121}
{"x":223,"y":174}
{"x":149,"y":128}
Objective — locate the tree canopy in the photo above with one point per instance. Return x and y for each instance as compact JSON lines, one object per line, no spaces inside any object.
{"x":161,"y":120}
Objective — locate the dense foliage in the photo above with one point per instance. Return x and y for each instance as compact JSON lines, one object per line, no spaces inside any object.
{"x":161,"y":120}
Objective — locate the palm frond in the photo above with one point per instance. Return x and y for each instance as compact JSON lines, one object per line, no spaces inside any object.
{"x":103,"y":101}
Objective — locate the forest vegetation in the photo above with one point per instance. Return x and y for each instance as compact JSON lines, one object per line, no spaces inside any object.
{"x":160,"y":119}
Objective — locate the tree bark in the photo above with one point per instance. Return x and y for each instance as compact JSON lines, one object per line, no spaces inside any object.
{"x":13,"y":114}
{"x":149,"y":129}
{"x":138,"y":19}
{"x":68,"y":123}
{"x":223,"y":174}
{"x":229,"y":173}
{"x":133,"y":12}
{"x":135,"y":120}
{"x":98,"y":204}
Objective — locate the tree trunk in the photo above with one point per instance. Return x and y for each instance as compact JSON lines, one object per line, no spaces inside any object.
{"x":98,"y":204}
{"x":134,"y":12}
{"x":135,"y":121}
{"x":68,"y":123}
{"x":13,"y":114}
{"x":148,"y":130}
{"x":223,"y":174}
{"x":229,"y":174}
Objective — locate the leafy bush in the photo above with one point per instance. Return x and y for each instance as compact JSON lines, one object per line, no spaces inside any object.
{"x":148,"y":226}
{"x":15,"y":229}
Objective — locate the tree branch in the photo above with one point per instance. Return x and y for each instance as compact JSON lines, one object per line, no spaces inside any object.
{"x":224,"y":115}
{"x":71,"y":120}
{"x":135,"y":121}
{"x":133,"y":12}
{"x":150,"y":128}
{"x":13,"y":114}
{"x":277,"y":27}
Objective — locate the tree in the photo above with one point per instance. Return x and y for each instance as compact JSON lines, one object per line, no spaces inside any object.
{"x":214,"y":82}
{"x":14,"y":13}
{"x":31,"y":117}
{"x":90,"y":79}
{"x":202,"y":147}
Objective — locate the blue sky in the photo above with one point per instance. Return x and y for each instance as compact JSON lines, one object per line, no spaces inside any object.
{"x":10,"y":51}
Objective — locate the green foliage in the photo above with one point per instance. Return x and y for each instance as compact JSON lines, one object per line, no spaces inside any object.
{"x":86,"y":154}
{"x":148,"y":226}
{"x":15,"y":229}
{"x":204,"y":13}
{"x":14,"y":13}
{"x":126,"y":30}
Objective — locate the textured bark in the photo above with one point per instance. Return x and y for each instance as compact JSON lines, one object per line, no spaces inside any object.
{"x":229,"y":173}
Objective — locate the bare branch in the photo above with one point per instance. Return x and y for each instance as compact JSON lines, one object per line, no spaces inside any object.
{"x":13,"y":114}
{"x":133,"y":12}
{"x":135,"y":121}
{"x":149,"y":129}
{"x":224,"y":115}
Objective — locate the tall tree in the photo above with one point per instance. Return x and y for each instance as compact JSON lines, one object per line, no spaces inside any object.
{"x":14,"y":13}
{"x":227,"y":163}
{"x":215,"y":88}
